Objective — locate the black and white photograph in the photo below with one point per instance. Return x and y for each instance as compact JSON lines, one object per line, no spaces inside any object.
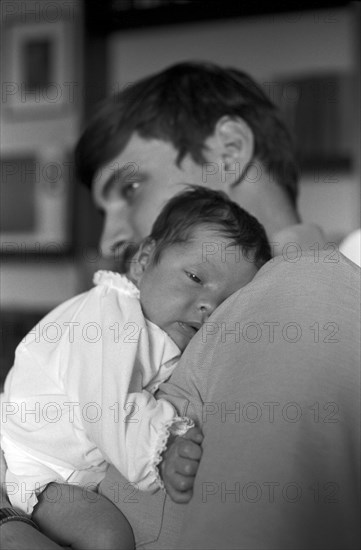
{"x":180,"y":245}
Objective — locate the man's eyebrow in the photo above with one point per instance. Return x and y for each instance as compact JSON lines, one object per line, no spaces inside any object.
{"x":122,"y":175}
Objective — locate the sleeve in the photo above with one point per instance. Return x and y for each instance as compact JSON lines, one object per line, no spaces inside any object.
{"x":108,"y":371}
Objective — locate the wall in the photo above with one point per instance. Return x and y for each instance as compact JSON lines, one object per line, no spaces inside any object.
{"x":269,"y":48}
{"x":41,"y":283}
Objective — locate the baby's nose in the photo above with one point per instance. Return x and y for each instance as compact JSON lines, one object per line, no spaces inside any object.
{"x":206,"y":308}
{"x":204,"y":315}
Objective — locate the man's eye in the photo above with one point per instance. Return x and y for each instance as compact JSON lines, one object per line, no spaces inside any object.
{"x":193,"y":277}
{"x":128,"y":189}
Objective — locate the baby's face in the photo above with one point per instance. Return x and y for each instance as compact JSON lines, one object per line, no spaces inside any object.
{"x":190,"y":280}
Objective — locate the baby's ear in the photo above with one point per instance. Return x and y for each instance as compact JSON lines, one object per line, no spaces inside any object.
{"x":141,"y":260}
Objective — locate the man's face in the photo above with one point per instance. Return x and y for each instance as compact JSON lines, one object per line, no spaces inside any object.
{"x":132,"y":189}
{"x":190,"y":280}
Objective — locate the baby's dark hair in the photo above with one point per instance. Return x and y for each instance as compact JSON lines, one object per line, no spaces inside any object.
{"x":201,"y":206}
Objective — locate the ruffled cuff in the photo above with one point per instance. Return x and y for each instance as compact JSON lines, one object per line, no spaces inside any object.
{"x":178,"y":426}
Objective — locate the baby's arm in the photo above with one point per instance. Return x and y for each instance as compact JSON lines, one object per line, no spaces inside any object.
{"x":130,"y":427}
{"x":180,"y":464}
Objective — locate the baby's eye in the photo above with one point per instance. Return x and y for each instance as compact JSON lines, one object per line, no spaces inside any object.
{"x":193,"y":277}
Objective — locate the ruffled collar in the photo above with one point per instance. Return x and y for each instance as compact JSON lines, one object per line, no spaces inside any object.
{"x":112,"y":279}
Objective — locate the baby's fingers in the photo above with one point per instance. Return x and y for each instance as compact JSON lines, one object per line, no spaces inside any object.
{"x":194,"y":434}
{"x":186,"y":467}
{"x":181,"y":483}
{"x":178,"y":496}
{"x":190,"y":450}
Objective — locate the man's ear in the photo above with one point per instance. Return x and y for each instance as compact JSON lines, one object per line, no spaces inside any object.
{"x":141,"y":260}
{"x":231,"y":143}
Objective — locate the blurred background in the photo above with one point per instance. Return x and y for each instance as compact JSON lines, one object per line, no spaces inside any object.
{"x":59,"y":58}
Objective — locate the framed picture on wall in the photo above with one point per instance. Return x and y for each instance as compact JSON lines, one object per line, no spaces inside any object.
{"x":37,"y":65}
{"x":35,"y":206}
{"x":318,"y":109}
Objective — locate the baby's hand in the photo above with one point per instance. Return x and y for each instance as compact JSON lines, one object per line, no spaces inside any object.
{"x":180,"y":464}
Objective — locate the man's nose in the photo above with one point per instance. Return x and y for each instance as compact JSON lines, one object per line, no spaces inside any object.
{"x":116,"y":232}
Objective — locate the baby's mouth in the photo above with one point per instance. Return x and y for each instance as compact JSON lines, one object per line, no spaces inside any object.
{"x":189,"y":328}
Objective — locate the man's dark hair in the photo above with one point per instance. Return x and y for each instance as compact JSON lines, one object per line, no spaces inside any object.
{"x":182,"y":105}
{"x":200,"y":206}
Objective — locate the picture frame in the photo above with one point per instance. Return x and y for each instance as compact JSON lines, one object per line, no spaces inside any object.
{"x":318,"y":110}
{"x":36,"y":211}
{"x":37,"y":66}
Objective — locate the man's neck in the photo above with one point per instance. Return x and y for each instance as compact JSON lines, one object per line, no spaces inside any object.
{"x":268,"y":202}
